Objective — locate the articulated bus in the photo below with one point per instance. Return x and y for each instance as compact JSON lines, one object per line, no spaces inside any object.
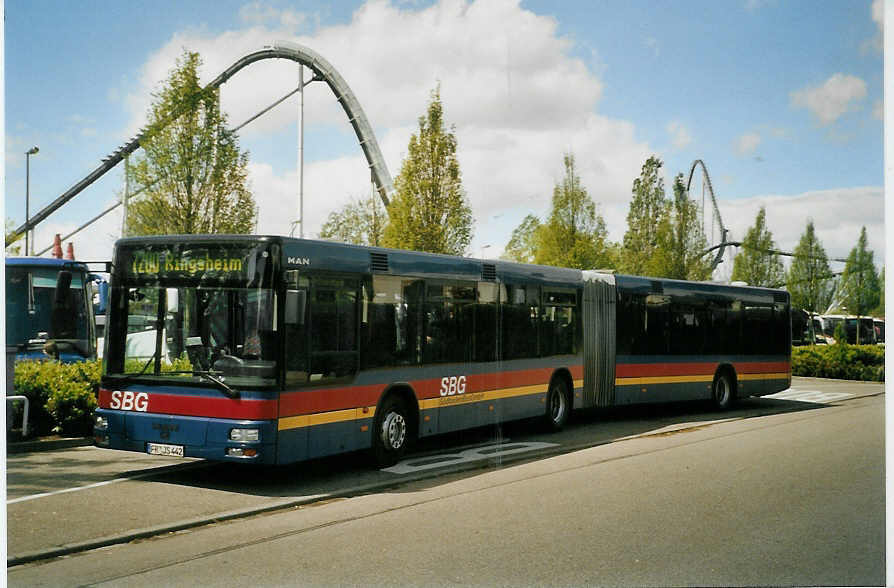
{"x":275,"y":350}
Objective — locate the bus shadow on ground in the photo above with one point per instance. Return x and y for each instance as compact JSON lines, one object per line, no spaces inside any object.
{"x":354,"y":473}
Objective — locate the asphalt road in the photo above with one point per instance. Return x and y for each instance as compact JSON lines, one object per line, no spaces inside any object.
{"x":779,"y":491}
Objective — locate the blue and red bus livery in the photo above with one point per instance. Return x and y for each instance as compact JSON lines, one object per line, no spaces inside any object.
{"x":277,"y":350}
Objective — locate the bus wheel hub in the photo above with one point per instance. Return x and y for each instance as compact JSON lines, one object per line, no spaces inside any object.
{"x":394,"y":430}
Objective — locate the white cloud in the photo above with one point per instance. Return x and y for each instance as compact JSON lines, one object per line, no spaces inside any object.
{"x":505,"y":77}
{"x":748,"y":143}
{"x":828,"y":101}
{"x":680,"y":135}
{"x":875,"y":43}
{"x":838,"y":215}
{"x":878,"y":110}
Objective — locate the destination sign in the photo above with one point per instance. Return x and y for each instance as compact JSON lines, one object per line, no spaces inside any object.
{"x":225,"y":261}
{"x":168,"y":262}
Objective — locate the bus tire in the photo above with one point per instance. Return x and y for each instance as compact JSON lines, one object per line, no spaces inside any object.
{"x":722,"y":391}
{"x":558,"y":405}
{"x":391,"y":432}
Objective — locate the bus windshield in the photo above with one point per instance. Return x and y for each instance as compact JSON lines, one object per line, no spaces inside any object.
{"x":171,"y":320}
{"x":44,"y":315}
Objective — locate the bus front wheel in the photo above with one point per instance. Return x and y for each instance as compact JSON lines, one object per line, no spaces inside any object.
{"x":723,"y":393}
{"x":391,"y":433}
{"x":558,"y":405}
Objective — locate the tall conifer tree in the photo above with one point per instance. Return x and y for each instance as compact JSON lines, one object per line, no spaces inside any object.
{"x":756,"y":264}
{"x":193,"y":174}
{"x":809,"y":277}
{"x":430,"y":211}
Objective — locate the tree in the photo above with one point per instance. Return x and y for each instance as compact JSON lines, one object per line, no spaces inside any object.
{"x":361,"y":222}
{"x":522,"y":246}
{"x":756,"y":264}
{"x":430,"y":211}
{"x":573,"y":235}
{"x":648,"y":209}
{"x":192,"y":171}
{"x":809,"y":277}
{"x":681,"y":240}
{"x":860,"y":286}
{"x":12,"y":238}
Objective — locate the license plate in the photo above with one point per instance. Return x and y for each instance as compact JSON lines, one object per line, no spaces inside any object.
{"x":167,"y":450}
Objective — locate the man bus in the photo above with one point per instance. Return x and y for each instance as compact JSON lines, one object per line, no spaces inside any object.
{"x":276,"y":350}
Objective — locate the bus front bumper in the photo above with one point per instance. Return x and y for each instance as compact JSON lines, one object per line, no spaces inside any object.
{"x":184,"y":436}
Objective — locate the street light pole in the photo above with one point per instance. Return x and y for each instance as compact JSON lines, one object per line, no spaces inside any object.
{"x":28,"y":155}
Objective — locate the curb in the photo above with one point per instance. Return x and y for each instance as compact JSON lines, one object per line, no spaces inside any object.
{"x":47,"y":445}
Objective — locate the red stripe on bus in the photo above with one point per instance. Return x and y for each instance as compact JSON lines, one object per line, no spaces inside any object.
{"x":316,"y":400}
{"x":634,"y":370}
{"x":199,"y":406}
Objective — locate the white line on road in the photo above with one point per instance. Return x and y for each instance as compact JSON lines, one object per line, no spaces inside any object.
{"x":421,"y":463}
{"x":815,"y":396}
{"x":95,"y":485}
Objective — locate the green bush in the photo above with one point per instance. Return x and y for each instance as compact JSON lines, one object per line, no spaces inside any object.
{"x":840,"y":361}
{"x":62,"y":396}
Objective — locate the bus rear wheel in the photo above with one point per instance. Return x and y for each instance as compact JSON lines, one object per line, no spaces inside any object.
{"x":391,"y":433}
{"x":723,"y":394}
{"x":558,"y":405}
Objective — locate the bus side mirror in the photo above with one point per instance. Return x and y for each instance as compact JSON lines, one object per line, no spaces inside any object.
{"x":296,"y":302}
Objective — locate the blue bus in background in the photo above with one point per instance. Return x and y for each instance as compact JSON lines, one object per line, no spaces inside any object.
{"x":50,"y":309}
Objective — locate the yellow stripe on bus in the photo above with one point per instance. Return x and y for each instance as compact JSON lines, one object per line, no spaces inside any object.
{"x":325,"y":418}
{"x":767,"y":376}
{"x":338,"y":416}
{"x":648,"y":380}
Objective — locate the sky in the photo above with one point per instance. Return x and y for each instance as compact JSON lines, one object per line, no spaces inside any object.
{"x":782,"y":101}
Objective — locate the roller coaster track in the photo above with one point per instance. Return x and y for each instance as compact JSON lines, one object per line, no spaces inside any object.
{"x":322,"y":70}
{"x":716,"y":212}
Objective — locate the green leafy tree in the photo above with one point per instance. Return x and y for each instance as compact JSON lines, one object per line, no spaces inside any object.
{"x":860,"y":287}
{"x":522,"y":246}
{"x":13,"y":238}
{"x":360,"y":221}
{"x":756,"y":264}
{"x":681,"y":239}
{"x":430,"y":211}
{"x":193,"y":174}
{"x":574,"y":235}
{"x":809,"y":277}
{"x":646,"y":219}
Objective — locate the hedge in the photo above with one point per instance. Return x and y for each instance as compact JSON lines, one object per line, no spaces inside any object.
{"x":61,"y":396}
{"x":840,"y":361}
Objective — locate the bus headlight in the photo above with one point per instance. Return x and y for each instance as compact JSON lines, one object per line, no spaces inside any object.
{"x":245,"y":435}
{"x":101,"y":422}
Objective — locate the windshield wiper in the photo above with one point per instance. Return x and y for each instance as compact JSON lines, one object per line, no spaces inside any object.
{"x":230,"y":393}
{"x":213,"y":377}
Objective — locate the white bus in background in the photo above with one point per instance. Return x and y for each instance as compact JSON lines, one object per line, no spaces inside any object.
{"x":867,"y":328}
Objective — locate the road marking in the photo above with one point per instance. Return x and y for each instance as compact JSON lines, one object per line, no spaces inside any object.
{"x":422,"y":463}
{"x":815,"y":396}
{"x":148,"y":474}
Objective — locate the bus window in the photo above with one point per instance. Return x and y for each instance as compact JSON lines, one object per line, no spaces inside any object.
{"x":393,"y":311}
{"x":558,"y":322}
{"x":333,"y":328}
{"x":449,"y":322}
{"x":486,"y":322}
{"x":521,"y":318}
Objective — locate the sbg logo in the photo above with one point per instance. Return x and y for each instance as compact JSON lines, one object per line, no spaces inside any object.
{"x":129,"y":400}
{"x":452,"y":385}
